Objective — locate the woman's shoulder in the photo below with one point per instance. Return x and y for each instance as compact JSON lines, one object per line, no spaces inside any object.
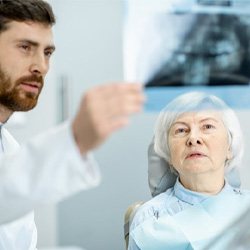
{"x":240,"y":194}
{"x":152,"y":207}
{"x":240,"y":191}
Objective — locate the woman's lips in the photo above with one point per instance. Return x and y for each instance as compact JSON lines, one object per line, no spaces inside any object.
{"x":195,"y":155}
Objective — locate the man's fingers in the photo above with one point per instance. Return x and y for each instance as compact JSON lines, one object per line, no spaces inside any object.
{"x":123,"y":106}
{"x":118,"y":100}
{"x":117,"y":90}
{"x":108,"y":127}
{"x":103,"y":110}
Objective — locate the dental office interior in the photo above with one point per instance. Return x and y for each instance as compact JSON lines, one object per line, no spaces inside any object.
{"x":89,"y":51}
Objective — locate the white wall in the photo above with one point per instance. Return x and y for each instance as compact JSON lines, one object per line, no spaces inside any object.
{"x":244,"y":117}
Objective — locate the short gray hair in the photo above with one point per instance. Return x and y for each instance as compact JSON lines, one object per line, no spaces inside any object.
{"x":195,"y":101}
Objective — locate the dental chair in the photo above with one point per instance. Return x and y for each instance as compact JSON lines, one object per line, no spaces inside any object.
{"x":160,"y":178}
{"x":128,"y":218}
{"x":61,"y":248}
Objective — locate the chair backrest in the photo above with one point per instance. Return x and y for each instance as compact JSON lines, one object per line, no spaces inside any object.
{"x":128,"y":218}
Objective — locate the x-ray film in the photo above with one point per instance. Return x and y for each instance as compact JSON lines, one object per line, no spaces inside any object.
{"x":176,"y":46}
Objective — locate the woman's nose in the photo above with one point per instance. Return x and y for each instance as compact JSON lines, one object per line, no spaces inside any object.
{"x":194,"y":139}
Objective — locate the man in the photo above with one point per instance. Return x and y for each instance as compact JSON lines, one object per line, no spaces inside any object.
{"x":57,"y":163}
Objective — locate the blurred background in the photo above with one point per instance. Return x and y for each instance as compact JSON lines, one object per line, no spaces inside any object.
{"x":89,"y":41}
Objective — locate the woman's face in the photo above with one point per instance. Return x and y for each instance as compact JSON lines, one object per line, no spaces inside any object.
{"x":198,"y":143}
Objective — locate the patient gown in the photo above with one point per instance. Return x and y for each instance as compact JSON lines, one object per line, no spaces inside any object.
{"x":182,"y":219}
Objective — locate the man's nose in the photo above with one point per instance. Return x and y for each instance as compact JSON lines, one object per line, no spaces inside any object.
{"x":194,"y":138}
{"x":39,"y":65}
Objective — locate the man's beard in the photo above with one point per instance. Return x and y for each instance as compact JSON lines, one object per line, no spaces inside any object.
{"x":13,"y":97}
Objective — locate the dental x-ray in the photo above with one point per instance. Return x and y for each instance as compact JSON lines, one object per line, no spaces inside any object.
{"x":189,"y":45}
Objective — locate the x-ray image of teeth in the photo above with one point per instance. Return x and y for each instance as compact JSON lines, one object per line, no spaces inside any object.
{"x":214,"y":51}
{"x":169,"y":46}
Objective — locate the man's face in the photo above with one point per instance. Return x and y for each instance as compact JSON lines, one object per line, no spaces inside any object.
{"x":25,"y":50}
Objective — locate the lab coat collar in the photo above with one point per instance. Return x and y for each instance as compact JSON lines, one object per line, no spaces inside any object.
{"x":8,"y":142}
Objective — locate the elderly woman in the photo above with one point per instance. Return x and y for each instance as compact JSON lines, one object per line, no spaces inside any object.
{"x":199,"y":137}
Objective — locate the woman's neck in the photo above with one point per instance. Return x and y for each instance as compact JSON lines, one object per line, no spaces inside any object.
{"x":203,"y":183}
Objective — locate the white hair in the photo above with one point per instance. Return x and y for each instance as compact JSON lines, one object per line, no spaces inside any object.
{"x":197,"y":101}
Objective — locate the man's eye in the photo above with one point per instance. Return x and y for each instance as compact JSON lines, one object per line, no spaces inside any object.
{"x":48,"y":53}
{"x":24,"y":47}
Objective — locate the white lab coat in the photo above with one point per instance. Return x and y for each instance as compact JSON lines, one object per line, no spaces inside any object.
{"x":46,"y":169}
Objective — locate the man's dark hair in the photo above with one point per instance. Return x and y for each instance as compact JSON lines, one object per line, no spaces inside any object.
{"x":25,"y":10}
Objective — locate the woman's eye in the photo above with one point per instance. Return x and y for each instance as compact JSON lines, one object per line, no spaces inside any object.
{"x":180,"y":130}
{"x":208,"y":126}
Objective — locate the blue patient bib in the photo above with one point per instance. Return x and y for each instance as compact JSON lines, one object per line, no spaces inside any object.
{"x":192,"y":228}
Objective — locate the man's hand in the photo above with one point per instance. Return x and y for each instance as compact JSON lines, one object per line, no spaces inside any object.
{"x":103,"y":110}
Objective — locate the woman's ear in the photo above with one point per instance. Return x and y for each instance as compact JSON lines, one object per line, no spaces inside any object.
{"x":229,"y":154}
{"x":169,"y":161}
